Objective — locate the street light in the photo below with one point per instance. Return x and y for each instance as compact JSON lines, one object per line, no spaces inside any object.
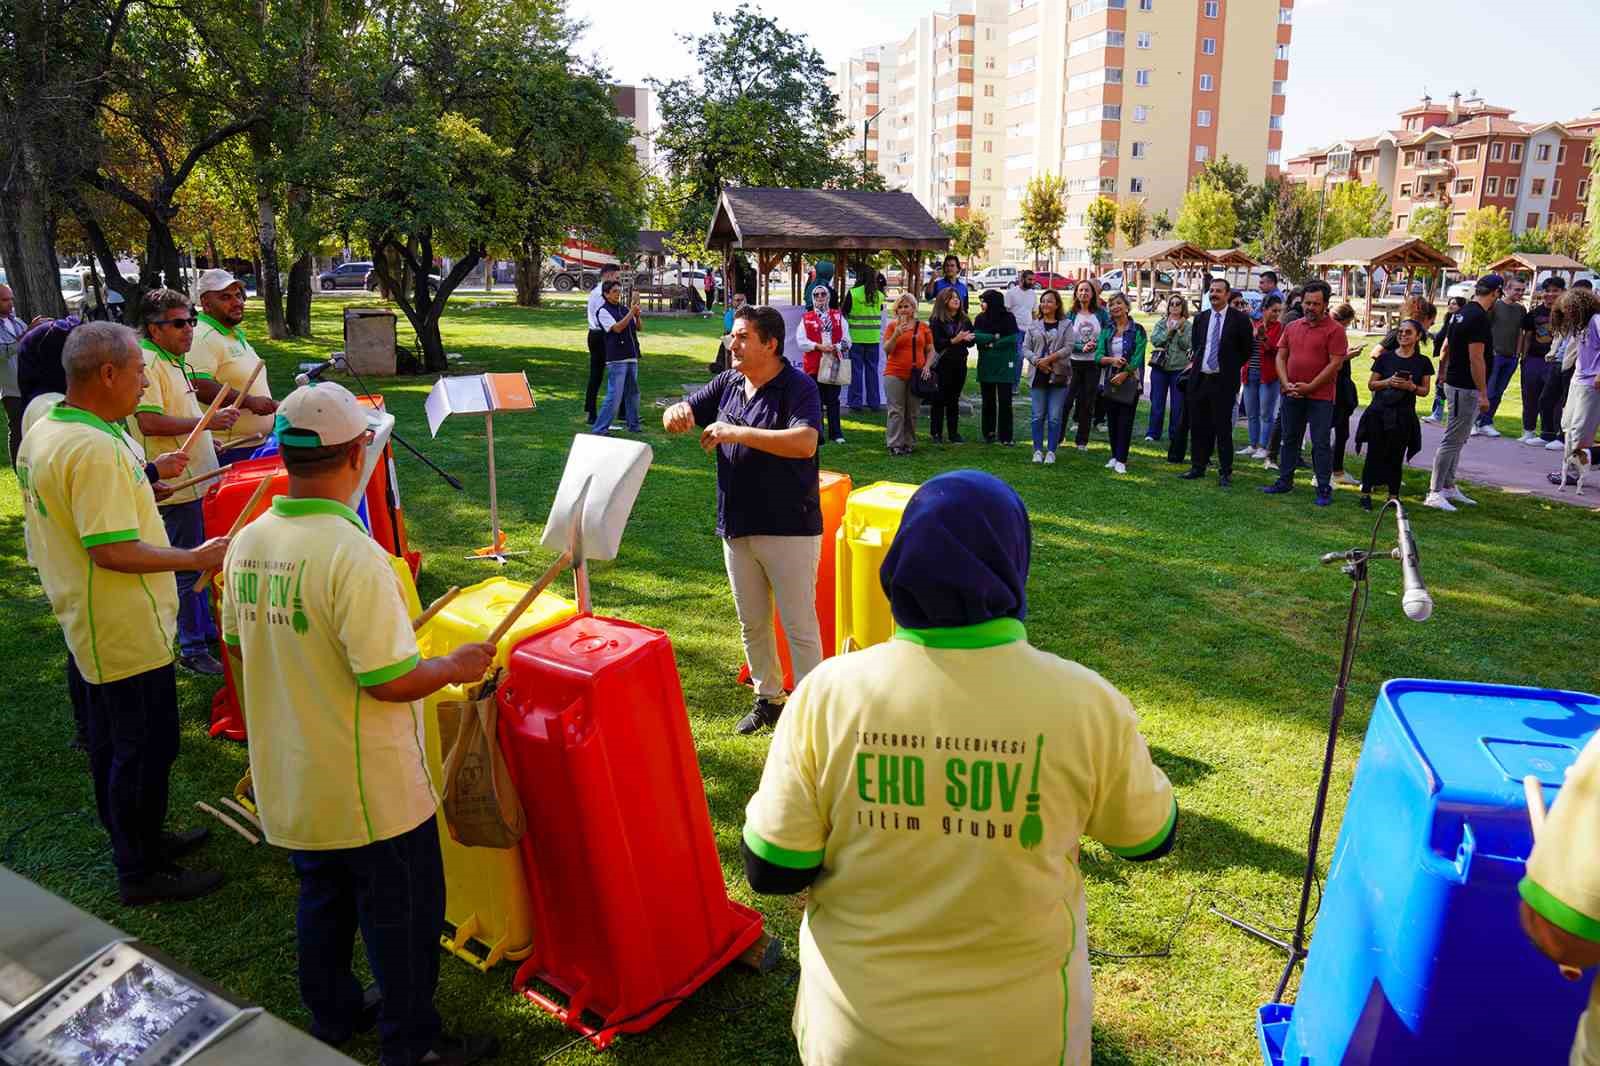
{"x":865,"y":126}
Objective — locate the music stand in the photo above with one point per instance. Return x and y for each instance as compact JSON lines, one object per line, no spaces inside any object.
{"x":488,"y":395}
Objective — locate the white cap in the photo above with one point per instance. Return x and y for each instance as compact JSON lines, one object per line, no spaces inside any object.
{"x":318,"y":415}
{"x":214,"y":280}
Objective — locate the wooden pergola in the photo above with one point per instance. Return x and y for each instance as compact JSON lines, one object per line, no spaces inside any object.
{"x":800,"y":224}
{"x":1535,"y":263}
{"x":1405,"y":255}
{"x":1232,"y":260}
{"x":1179,"y":256}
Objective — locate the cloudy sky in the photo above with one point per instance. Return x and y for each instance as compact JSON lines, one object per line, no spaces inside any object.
{"x":1353,"y":64}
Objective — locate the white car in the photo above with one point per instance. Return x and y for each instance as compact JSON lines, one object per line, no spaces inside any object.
{"x":78,"y":292}
{"x":1461,"y":289}
{"x":1111,"y":280}
{"x":995,"y":277}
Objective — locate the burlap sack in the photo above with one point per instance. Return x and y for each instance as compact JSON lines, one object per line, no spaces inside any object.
{"x":481,"y":806}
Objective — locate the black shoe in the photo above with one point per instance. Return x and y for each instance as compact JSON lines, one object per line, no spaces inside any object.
{"x":460,"y":1050}
{"x":201,"y":663}
{"x":365,"y":1021}
{"x":935,"y":438}
{"x":956,"y":438}
{"x":1225,"y":481}
{"x":174,"y":845}
{"x":1366,"y":502}
{"x":764,"y":713}
{"x":1192,"y":474}
{"x":174,"y":884}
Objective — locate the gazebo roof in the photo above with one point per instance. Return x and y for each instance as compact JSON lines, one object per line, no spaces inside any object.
{"x":823,"y":220}
{"x":1166,"y":251}
{"x":1373,"y":252}
{"x":1533,"y":262}
{"x":1233,"y":257}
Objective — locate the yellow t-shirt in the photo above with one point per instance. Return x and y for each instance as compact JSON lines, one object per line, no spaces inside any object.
{"x":83,"y":484}
{"x":168,"y":392}
{"x":944,"y":790}
{"x":312,"y":605}
{"x":222,"y":353}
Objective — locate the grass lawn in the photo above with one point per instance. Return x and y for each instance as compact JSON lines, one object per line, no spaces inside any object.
{"x":1206,"y":607}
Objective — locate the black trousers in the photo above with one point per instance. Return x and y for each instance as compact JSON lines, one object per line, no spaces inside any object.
{"x":1119,"y":419}
{"x":1209,"y":408}
{"x":597,"y":371}
{"x":830,"y":409}
{"x":944,"y":414}
{"x":1341,"y":436}
{"x":1178,"y":439}
{"x":996,"y":408}
{"x":1085,"y":390}
{"x":1386,"y":460}
{"x":13,"y":408}
{"x":78,"y":693}
{"x":1553,"y":400}
{"x":133,"y":742}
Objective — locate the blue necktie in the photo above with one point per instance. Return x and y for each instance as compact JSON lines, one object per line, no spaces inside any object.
{"x":1213,"y":338}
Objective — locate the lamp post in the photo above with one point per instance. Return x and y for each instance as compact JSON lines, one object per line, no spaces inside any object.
{"x":865,"y":126}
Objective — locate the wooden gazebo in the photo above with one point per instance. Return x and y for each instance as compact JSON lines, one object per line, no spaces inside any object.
{"x":815,"y":224}
{"x":1233,"y":260}
{"x":1535,"y":263}
{"x":1178,"y":256}
{"x":1402,"y":255}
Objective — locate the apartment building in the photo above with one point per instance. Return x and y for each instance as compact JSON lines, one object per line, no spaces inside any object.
{"x":633,"y":103}
{"x":1123,"y":98}
{"x":1465,"y":154}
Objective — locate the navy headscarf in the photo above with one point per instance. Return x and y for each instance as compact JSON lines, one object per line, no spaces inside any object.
{"x":961,"y":556}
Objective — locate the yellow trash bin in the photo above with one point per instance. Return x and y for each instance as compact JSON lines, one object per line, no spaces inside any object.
{"x":488,"y":917}
{"x":871,"y":519}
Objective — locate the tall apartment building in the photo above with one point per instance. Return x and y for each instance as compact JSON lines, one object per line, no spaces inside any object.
{"x":1463,"y":155}
{"x":633,"y":103}
{"x":1123,"y":98}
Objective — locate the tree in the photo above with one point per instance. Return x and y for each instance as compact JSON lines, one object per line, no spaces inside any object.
{"x":1207,"y":217}
{"x":1250,"y":201}
{"x":1485,"y":237}
{"x":1591,"y":247}
{"x":1100,"y":222}
{"x":1044,"y":209}
{"x":1354,"y":210}
{"x":1288,"y":236}
{"x":1532,"y":241}
{"x":1134,"y":221}
{"x":968,"y":236}
{"x":1568,"y":238}
{"x":1160,"y":224}
{"x":1431,"y":222}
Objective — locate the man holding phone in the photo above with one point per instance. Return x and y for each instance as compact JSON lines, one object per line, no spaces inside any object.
{"x":1467,"y":348}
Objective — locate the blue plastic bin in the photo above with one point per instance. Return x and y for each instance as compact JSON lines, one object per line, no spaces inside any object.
{"x":1417,"y":956}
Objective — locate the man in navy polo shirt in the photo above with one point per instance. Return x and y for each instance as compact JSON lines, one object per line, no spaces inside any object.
{"x":762,"y":419}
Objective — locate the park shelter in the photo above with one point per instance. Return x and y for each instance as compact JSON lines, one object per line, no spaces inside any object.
{"x":1236,"y":265}
{"x":1176,"y":256}
{"x":1535,"y":263}
{"x":1403,"y":256}
{"x":775,"y":224}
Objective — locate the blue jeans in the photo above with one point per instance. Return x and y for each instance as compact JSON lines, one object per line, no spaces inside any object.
{"x":1017,"y":385}
{"x":1295,"y":414}
{"x":865,"y":379}
{"x":393,"y":891}
{"x":1164,"y":393}
{"x":1260,"y":408}
{"x":1505,"y":366}
{"x":622,"y":390}
{"x":1049,"y":403}
{"x":186,"y":528}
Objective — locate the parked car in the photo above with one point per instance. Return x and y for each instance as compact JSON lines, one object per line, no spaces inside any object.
{"x":995,"y":277}
{"x":1111,"y":280}
{"x":84,"y":293}
{"x":370,"y":282}
{"x":1049,"y":279}
{"x":344,"y":276}
{"x":1461,"y":289}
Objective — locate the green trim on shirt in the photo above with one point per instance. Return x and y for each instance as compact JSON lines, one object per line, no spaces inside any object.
{"x":297,"y":507}
{"x":94,"y":640}
{"x":201,"y":375}
{"x":361,"y":786}
{"x":62,"y":413}
{"x":116,"y":536}
{"x":388,"y":673}
{"x":792,"y":860}
{"x":149,"y":409}
{"x":161,"y":353}
{"x":237,"y":332}
{"x":1556,"y":912}
{"x":1154,"y":842}
{"x":990,"y":634}
{"x":231,"y":639}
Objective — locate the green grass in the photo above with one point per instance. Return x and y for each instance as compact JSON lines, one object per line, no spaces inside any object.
{"x":1207,"y":608}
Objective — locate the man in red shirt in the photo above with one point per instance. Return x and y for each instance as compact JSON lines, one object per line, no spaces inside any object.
{"x":1309,"y":356}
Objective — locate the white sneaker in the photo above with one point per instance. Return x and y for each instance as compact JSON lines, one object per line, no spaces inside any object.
{"x":1259,"y":453}
{"x":1477,"y":430}
{"x":1435,"y":419}
{"x":1529,"y":438}
{"x":1038,"y":456}
{"x":1082,"y":447}
{"x":1342,"y":478}
{"x":1490,"y":431}
{"x":1437,"y":502}
{"x":1455,"y":495}
{"x":1246,"y":450}
{"x":1556,"y":446}
{"x":1148,"y":439}
{"x":1049,"y":458}
{"x":1269,"y":465}
{"x":1119,"y":468}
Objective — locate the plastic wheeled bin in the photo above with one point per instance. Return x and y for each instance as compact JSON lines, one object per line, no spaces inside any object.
{"x":871,"y":519}
{"x":1417,"y":956}
{"x":833,"y":489}
{"x":487,"y":914}
{"x":630,"y":909}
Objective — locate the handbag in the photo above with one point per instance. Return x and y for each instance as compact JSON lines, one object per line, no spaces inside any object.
{"x":833,"y":370}
{"x":922,"y":388}
{"x":1127,"y":392}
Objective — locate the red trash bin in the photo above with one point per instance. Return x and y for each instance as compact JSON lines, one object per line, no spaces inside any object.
{"x":630,"y":912}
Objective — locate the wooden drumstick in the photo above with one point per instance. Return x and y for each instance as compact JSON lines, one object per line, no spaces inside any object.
{"x":229,"y":822}
{"x":238,"y":523}
{"x":528,"y":597}
{"x":435,"y":607}
{"x":205,"y":420}
{"x":239,"y":399}
{"x":198,"y":478}
{"x":1533,"y":792}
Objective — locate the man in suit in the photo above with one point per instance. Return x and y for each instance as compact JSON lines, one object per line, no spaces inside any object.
{"x":1222,"y":338}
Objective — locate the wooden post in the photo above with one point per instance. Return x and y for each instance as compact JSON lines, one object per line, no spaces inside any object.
{"x":1372,"y":283}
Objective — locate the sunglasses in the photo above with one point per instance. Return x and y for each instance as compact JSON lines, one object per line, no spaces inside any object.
{"x":177,"y":323}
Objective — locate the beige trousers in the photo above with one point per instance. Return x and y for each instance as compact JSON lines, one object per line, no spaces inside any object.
{"x":904,"y":406}
{"x":763,"y":570}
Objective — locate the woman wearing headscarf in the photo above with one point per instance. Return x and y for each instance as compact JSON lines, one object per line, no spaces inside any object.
{"x":1046,"y":348}
{"x":932,"y":791}
{"x":996,"y":333}
{"x":1085,"y":321}
{"x":823,"y":335}
{"x":907,"y":344}
{"x":952,"y":340}
{"x":1389,"y":426}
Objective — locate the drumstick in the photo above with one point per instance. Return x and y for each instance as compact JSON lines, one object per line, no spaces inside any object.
{"x":528,"y":597}
{"x":435,"y":607}
{"x":1533,"y":792}
{"x":207,"y":476}
{"x":238,"y":523}
{"x":205,"y":420}
{"x":237,"y":400}
{"x":237,"y":808}
{"x":248,"y":442}
{"x":229,"y":822}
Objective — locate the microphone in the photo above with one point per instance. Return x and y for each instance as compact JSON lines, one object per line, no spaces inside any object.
{"x":316,"y":372}
{"x":1416,"y":602}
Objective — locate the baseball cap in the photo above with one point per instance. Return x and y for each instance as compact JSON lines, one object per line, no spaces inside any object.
{"x":214,"y":280}
{"x":1489,"y":283}
{"x":319,"y":415}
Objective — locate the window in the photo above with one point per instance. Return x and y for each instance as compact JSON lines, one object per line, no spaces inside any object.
{"x":1111,"y":112}
{"x":1516,"y":153}
{"x":1205,"y":82}
{"x":1020,"y":159}
{"x":1113,"y":75}
{"x":1136,"y":185}
{"x":1141,"y":113}
{"x":1088,"y":79}
{"x":1141,"y":76}
{"x":988,"y":146}
{"x":1208,"y":46}
{"x":1464,"y":186}
{"x":1497,"y":152}
{"x":1583,"y":188}
{"x":1274,"y":122}
{"x":1282,"y":53}
{"x":1141,"y":149}
{"x":1027,"y":96}
{"x":988,"y":63}
{"x":1405,"y":188}
{"x":1142,"y":40}
{"x":1277,"y":88}
{"x":1456,"y":218}
{"x":1536,"y":187}
{"x":1491,"y":187}
{"x":1555,"y":189}
{"x":1115,"y":39}
{"x":988,"y":89}
{"x":1202,"y":117}
{"x":1092,"y":42}
{"x":1577,"y":216}
{"x":1212,"y":8}
{"x":1273,"y":156}
{"x":1511,"y":186}
{"x":983,"y":201}
{"x":1588,"y":155}
{"x":1533,"y":220}
{"x":1147,"y":5}
{"x":1074,"y":152}
{"x":1201,"y":153}
{"x":1021,"y":66}
{"x":1024,"y":35}
{"x":988,"y":116}
{"x":1285,"y":16}
{"x":988,"y":174}
{"x":1411,"y":157}
{"x":1561,"y":154}
{"x":1466,"y":153}
{"x":1366,"y":160}
{"x":1400,"y":222}
{"x":1542,"y":153}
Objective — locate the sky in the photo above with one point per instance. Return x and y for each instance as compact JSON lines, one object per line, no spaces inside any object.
{"x":1353,"y":64}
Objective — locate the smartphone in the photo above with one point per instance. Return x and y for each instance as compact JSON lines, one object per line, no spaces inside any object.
{"x":1403,"y":375}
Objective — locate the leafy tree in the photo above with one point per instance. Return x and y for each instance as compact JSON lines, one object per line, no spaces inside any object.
{"x":1485,"y":237}
{"x":1044,"y":209}
{"x":1100,"y":222}
{"x":968,"y":236}
{"x":1160,"y":224}
{"x":1134,"y":221}
{"x":1431,"y":222}
{"x":1533,"y":241}
{"x":1591,"y":247}
{"x":1354,"y":210}
{"x":1207,"y":217}
{"x":1567,"y":238}
{"x":1250,"y":201}
{"x":1288,"y":236}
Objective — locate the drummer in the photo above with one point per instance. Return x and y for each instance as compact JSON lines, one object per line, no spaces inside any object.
{"x":221,"y":358}
{"x":333,"y":688}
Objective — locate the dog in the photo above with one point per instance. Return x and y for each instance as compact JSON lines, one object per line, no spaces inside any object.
{"x":1574,"y":466}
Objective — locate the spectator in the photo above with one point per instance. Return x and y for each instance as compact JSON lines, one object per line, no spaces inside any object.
{"x":1259,"y":378}
{"x":915,"y":942}
{"x":1534,"y":348}
{"x":821,"y":273}
{"x":1294,"y":307}
{"x":762,"y":421}
{"x":1389,"y":426}
{"x":1170,"y":355}
{"x":824,"y":334}
{"x":622,"y":359}
{"x":1267,"y":285}
{"x":1345,"y":400}
{"x":1084,"y":323}
{"x":39,"y":358}
{"x":11,"y":330}
{"x":864,"y":313}
{"x":100,"y":546}
{"x":597,"y":342}
{"x":1452,"y":309}
{"x":996,"y":333}
{"x":950,"y":278}
{"x":1581,"y":416}
{"x":1048,"y":344}
{"x":952,"y":340}
{"x":1563,"y":359}
{"x":1505,"y":324}
{"x":1220,"y":339}
{"x":221,"y":359}
{"x":1464,"y":366}
{"x":1309,"y":356}
{"x":731,"y":308}
{"x":168,"y":412}
{"x":1237,"y":301}
{"x":907,"y":344}
{"x":1022,"y":300}
{"x":1121,"y":353}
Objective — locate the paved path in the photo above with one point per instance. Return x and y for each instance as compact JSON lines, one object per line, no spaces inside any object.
{"x":1516,"y":468}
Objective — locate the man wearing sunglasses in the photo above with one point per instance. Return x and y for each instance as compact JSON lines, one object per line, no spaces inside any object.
{"x":221,"y":358}
{"x":169,"y":409}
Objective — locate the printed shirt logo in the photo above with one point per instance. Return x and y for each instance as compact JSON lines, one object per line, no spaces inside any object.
{"x":980,"y":793}
{"x":282,"y":585}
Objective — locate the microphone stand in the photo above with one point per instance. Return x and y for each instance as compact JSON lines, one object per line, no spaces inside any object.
{"x":1355,"y":567}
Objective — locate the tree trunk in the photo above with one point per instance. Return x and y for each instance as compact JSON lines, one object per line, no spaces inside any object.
{"x":299,"y":316}
{"x":430,"y":345}
{"x":530,"y":274}
{"x":488,"y":275}
{"x":267,"y":286}
{"x":32,"y":270}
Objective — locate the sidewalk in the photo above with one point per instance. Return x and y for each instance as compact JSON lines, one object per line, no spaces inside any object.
{"x":1505,"y":464}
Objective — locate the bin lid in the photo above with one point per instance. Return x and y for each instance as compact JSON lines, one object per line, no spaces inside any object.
{"x":474,"y":613}
{"x":879,"y":505}
{"x":368,"y":312}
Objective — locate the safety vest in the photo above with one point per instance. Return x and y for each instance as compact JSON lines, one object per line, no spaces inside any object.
{"x":866,"y":318}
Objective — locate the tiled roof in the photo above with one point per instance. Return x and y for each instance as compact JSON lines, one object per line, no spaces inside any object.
{"x":810,"y":218}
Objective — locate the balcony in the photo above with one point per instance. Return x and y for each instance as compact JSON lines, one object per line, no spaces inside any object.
{"x":1435,"y":168}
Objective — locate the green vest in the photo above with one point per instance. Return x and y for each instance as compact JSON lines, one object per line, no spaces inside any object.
{"x":864,"y":315}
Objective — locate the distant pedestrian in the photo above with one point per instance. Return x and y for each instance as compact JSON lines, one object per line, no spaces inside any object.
{"x":1505,"y":324}
{"x":11,"y":330}
{"x":823,"y":335}
{"x":1309,"y":356}
{"x":996,"y":333}
{"x":1085,"y":320}
{"x":1345,"y":401}
{"x":1047,"y":344}
{"x":1121,"y":354}
{"x":1389,"y":427}
{"x":1581,"y":416}
{"x":597,"y":342}
{"x":1171,"y":349}
{"x":1022,"y":300}
{"x":1221,"y":340}
{"x":1259,"y":378}
{"x":621,"y":336}
{"x":1452,"y":309}
{"x":1534,"y":347}
{"x":952,"y":341}
{"x":907,"y":345}
{"x":1465,"y":370}
{"x":950,"y":278}
{"x":864,"y":310}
